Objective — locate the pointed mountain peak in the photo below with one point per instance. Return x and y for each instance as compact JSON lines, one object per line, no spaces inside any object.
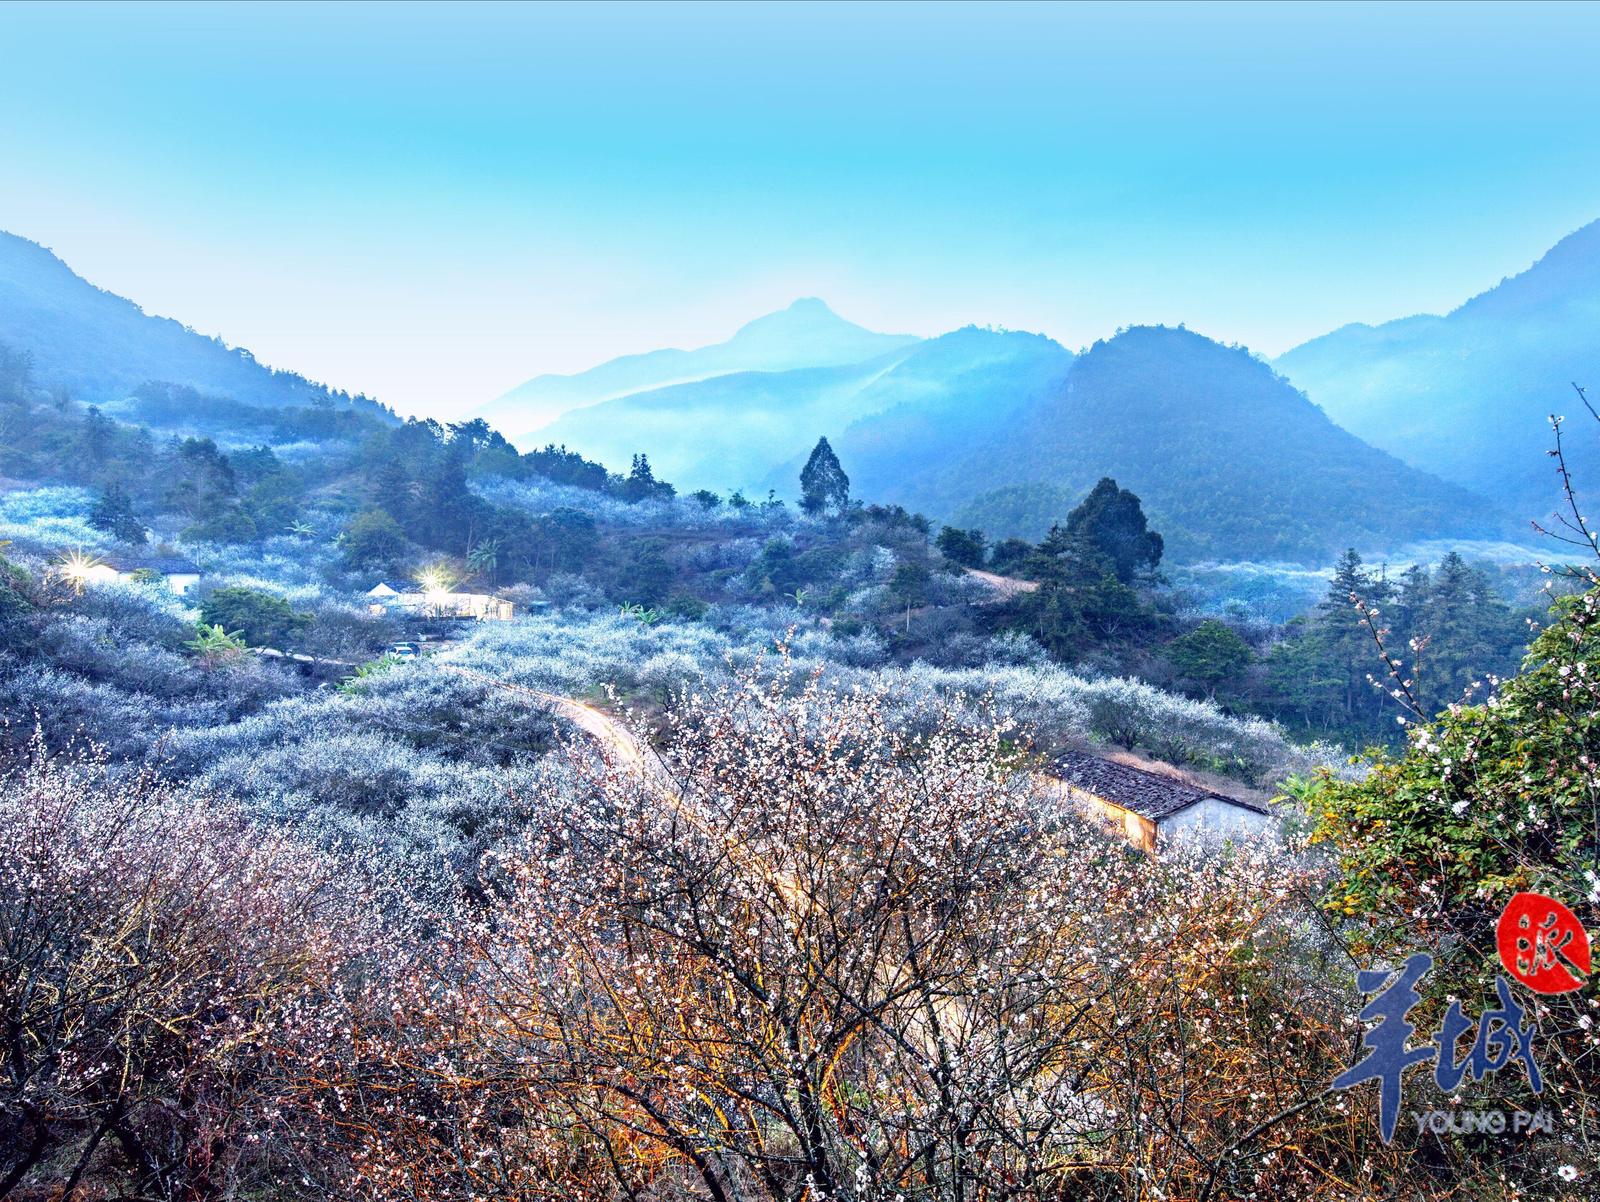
{"x":806,"y":334}
{"x":808,"y":330}
{"x":808,"y":315}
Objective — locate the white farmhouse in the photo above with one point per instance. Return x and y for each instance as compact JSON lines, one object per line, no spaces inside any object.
{"x":178,"y":574}
{"x":1150,"y":809}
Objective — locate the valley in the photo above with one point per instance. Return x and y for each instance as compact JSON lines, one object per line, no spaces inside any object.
{"x":818,"y":627}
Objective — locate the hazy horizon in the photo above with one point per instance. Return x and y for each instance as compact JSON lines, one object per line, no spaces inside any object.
{"x":481,"y":195}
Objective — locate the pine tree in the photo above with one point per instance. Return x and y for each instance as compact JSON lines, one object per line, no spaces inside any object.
{"x":823,"y":482}
{"x":1113,"y":520}
{"x":113,"y":513}
{"x":391,"y":485}
{"x":98,"y":432}
{"x":1410,"y":603}
{"x":1344,"y":647}
{"x":1470,"y":631}
{"x":641,"y":484}
{"x":1058,"y":542}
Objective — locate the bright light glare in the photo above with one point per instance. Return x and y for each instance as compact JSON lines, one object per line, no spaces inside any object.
{"x":75,"y":567}
{"x":435,"y":582}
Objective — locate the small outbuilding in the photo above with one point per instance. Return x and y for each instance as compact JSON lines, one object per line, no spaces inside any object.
{"x":1152,"y":809}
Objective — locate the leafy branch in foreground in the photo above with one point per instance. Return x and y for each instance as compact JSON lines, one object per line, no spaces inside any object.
{"x":215,"y":645}
{"x":1574,"y":527}
{"x":1487,"y":800}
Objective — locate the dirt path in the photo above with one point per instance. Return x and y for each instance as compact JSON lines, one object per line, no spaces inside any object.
{"x":1006,"y":587}
{"x":630,"y":751}
{"x":625,"y":747}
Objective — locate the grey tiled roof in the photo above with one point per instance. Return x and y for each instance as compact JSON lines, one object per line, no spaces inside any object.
{"x":167,"y":565}
{"x":1148,"y":794}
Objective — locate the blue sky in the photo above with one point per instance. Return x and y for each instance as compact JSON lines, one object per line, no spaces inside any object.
{"x":432,"y":204}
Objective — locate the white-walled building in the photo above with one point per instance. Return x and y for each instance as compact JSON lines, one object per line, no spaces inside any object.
{"x":177,"y":573}
{"x":1151,"y":809}
{"x":389,"y":594}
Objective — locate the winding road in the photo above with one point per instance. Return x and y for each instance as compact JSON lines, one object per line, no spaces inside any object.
{"x":625,"y":747}
{"x":629,"y":751}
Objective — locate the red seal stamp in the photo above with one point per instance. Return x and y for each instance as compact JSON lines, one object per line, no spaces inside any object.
{"x":1542,"y":944}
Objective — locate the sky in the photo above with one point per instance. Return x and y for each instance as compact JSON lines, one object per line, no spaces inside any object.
{"x":433,"y":204}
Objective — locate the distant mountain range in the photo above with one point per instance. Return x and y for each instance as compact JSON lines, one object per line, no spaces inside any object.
{"x":731,"y":431}
{"x":1006,"y":430}
{"x":949,"y":394}
{"x":806,"y":334}
{"x":1468,"y":395}
{"x":100,"y":347}
{"x":1230,"y":460}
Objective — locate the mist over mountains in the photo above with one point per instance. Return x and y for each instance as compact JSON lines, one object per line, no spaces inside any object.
{"x":952,"y":391}
{"x":1006,"y":431}
{"x":1230,"y":460}
{"x":749,"y":429}
{"x":1467,"y":395}
{"x":1426,"y":428}
{"x":806,"y":334}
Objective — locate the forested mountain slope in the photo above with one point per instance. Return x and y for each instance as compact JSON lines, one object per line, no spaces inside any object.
{"x":957,"y":389}
{"x":753,"y":429}
{"x":1468,"y":395}
{"x":1229,"y":459}
{"x":100,"y":347}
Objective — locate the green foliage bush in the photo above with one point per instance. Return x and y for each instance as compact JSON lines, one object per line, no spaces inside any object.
{"x":1485,"y":800}
{"x":374,"y":541}
{"x":964,"y":547}
{"x":263,"y":619}
{"x":1210,"y":654}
